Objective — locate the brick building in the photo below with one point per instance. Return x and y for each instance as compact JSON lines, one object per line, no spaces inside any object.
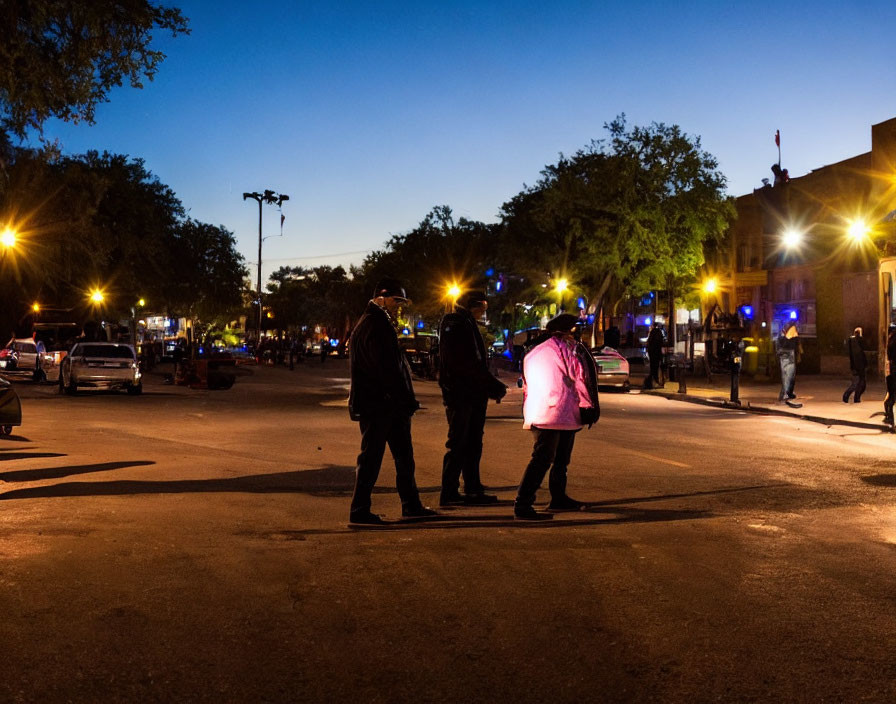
{"x":819,"y":250}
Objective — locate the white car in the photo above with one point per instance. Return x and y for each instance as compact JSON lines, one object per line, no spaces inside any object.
{"x":612,"y":368}
{"x":100,"y":365}
{"x":25,"y":355}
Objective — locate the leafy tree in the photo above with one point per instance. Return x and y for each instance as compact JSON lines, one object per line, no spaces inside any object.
{"x":60,"y":58}
{"x":620,"y":216}
{"x":207,"y":272}
{"x":439,"y":252}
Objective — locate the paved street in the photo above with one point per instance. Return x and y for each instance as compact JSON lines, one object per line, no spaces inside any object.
{"x":193,"y":546}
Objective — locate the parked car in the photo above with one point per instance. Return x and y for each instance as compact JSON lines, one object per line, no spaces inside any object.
{"x":25,"y":355}
{"x":613,"y":368}
{"x":100,"y":365}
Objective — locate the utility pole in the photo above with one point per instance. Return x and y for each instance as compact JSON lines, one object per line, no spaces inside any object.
{"x":270,"y":198}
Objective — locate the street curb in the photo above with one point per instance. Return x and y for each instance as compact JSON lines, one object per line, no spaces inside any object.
{"x":765,"y":410}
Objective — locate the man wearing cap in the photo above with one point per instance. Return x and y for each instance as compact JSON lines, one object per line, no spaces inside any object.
{"x":382,"y":400}
{"x":560,"y":378}
{"x":467,"y":385}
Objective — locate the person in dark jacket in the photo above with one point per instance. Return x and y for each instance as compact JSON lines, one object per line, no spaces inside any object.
{"x":382,"y":400}
{"x":467,"y":385}
{"x":890,"y":371}
{"x":655,"y":342}
{"x":858,"y":365}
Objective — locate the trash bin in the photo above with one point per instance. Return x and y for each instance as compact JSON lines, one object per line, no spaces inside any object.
{"x":751,"y":358}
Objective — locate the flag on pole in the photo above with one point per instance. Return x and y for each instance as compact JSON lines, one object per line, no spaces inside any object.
{"x":777,"y":138}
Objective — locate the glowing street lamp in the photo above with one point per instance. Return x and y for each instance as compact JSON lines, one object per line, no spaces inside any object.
{"x":453,"y":291}
{"x":710,"y":286}
{"x":561,"y":286}
{"x":97,"y":297}
{"x":36,"y":307}
{"x":8,"y":238}
{"x":791,"y":238}
{"x":858,"y":230}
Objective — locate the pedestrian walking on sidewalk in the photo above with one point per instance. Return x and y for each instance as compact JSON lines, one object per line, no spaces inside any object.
{"x":655,"y":342}
{"x":467,"y":385}
{"x":382,"y":400}
{"x":788,"y":345}
{"x":560,"y":398}
{"x":858,"y":365}
{"x":890,"y":369}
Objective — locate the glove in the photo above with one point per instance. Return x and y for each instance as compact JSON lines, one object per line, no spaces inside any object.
{"x":499,"y":393}
{"x":589,"y":416}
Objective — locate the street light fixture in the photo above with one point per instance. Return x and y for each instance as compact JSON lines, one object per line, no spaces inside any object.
{"x":8,"y":238}
{"x":270,"y":198}
{"x":858,"y":230}
{"x":791,"y":238}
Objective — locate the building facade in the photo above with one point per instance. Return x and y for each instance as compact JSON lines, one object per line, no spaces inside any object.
{"x":818,"y":250}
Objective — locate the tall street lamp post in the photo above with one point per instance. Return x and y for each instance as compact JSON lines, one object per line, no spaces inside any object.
{"x":270,"y":198}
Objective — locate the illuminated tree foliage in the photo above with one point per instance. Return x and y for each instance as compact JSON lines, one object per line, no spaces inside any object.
{"x":624,"y":215}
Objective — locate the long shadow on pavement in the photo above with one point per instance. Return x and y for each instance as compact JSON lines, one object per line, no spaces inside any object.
{"x":33,"y":475}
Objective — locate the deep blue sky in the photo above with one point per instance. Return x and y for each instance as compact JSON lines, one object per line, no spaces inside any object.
{"x":368,"y":114}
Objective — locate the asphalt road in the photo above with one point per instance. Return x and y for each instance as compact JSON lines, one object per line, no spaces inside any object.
{"x":191,"y":545}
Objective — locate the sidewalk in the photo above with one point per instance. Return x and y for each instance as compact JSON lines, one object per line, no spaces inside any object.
{"x":821,"y":396}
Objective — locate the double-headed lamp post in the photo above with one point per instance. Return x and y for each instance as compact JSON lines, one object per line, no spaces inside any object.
{"x":270,"y":198}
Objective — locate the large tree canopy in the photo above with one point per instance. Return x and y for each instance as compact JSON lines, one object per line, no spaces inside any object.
{"x":633,"y":211}
{"x":439,"y":252}
{"x":60,"y":58}
{"x":104,"y":221}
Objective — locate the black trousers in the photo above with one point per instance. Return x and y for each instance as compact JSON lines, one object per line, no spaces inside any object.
{"x":856,"y":386}
{"x":553,"y":450}
{"x":466,"y":424}
{"x":890,"y":400}
{"x":655,"y":369}
{"x":390,"y":428}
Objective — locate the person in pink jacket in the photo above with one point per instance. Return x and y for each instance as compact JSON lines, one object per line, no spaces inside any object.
{"x":560,"y":398}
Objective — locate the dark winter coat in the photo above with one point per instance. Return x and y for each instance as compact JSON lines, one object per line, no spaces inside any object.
{"x":857,"y":359}
{"x":381,"y":378}
{"x":655,"y":342}
{"x":463,"y":361}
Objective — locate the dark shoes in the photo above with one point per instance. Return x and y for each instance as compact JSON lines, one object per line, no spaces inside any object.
{"x":565,"y":503}
{"x":528,"y":513}
{"x":365,"y":518}
{"x":418,"y":512}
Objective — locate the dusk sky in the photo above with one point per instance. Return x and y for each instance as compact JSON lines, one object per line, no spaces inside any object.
{"x":369,"y":114}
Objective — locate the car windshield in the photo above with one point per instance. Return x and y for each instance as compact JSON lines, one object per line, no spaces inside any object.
{"x":105,"y":351}
{"x":24,"y":347}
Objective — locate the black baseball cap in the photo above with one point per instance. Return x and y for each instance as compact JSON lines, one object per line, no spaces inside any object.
{"x":562,"y":323}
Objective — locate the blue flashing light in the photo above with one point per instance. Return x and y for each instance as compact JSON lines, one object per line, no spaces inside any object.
{"x":499,"y":285}
{"x":334,"y":342}
{"x":581,"y":303}
{"x":793,"y":315}
{"x":490,"y":271}
{"x":201,"y":351}
{"x":405,"y":331}
{"x":420,"y":325}
{"x":590,"y":319}
{"x":747,"y":312}
{"x":647,"y":320}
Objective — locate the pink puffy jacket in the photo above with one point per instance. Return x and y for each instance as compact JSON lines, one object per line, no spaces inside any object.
{"x":554,"y":386}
